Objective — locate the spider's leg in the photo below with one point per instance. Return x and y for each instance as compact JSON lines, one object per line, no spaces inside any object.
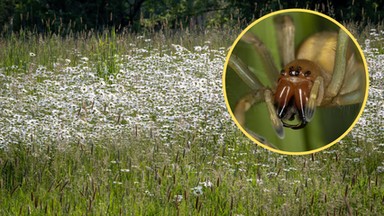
{"x":244,"y":73}
{"x":245,"y":103}
{"x":260,"y":139}
{"x":353,"y":89}
{"x":315,"y":97}
{"x":353,"y":97}
{"x":339,"y":69}
{"x":268,"y":63}
{"x":285,"y":30}
{"x":276,"y":122}
{"x":255,"y":97}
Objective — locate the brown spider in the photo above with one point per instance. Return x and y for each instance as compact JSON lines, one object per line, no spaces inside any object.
{"x":324,"y":72}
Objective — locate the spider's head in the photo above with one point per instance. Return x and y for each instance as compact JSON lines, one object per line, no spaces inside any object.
{"x":293,"y":90}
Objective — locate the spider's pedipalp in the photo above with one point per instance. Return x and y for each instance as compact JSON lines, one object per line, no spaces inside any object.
{"x":276,"y":123}
{"x":315,"y":97}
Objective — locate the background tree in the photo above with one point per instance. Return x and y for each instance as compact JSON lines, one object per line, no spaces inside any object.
{"x":61,"y":16}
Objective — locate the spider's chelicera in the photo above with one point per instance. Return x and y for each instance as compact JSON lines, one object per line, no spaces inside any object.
{"x":292,"y":92}
{"x":324,"y":72}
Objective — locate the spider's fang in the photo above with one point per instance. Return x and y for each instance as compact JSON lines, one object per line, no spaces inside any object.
{"x":302,"y":124}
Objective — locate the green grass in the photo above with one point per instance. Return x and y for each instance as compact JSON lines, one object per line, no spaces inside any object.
{"x":131,"y":175}
{"x":27,"y":50}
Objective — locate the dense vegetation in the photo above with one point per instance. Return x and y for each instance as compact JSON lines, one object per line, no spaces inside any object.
{"x":76,"y":15}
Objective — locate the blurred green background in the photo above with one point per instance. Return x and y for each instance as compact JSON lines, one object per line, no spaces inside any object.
{"x":328,"y":124}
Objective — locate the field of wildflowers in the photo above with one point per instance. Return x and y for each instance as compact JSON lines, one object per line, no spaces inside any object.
{"x":163,"y":94}
{"x":133,"y":124}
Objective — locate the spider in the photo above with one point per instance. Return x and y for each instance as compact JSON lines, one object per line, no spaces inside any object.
{"x":323,"y":72}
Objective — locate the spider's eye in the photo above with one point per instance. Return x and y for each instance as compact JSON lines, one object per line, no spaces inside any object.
{"x":282,"y":72}
{"x":294,"y":73}
{"x":307,"y":73}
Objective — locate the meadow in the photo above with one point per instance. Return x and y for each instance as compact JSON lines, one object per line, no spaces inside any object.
{"x":136,"y":124}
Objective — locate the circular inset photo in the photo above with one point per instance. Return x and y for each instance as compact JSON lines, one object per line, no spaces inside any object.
{"x":295,"y":81}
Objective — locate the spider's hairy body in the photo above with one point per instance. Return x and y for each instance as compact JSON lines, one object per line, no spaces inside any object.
{"x":320,"y":49}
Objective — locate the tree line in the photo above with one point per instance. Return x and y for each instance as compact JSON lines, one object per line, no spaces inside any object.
{"x":137,"y":15}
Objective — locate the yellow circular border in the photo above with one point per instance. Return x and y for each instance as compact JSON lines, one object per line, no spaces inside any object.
{"x":302,"y":11}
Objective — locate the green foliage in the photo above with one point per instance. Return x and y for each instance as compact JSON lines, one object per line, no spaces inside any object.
{"x":76,"y":15}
